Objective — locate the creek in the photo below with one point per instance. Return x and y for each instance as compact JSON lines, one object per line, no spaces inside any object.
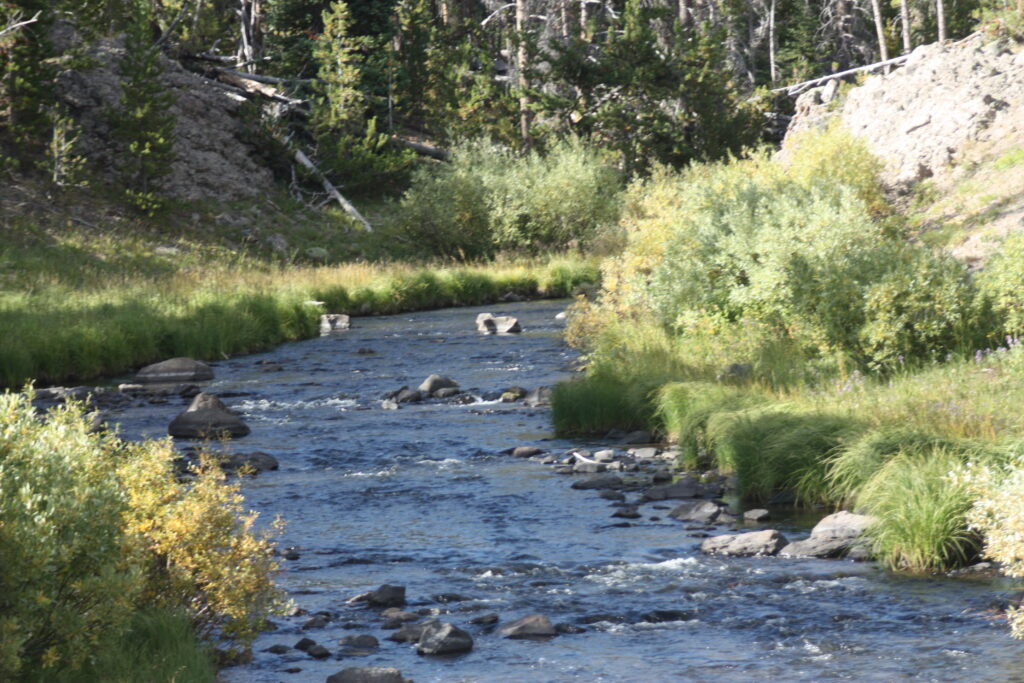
{"x":423,"y":497}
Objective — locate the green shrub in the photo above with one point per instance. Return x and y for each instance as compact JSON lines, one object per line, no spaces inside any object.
{"x":684,"y":409}
{"x":599,"y":403}
{"x":489,"y":200}
{"x":94,"y":530}
{"x":1003,"y":281}
{"x":64,"y":579}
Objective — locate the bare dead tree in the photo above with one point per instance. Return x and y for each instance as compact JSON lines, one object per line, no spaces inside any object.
{"x":905,"y":25}
{"x":940,"y":18}
{"x":15,"y":23}
{"x":876,"y":11}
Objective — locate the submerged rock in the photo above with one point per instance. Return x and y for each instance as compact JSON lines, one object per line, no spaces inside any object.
{"x":601,"y":481}
{"x":175,"y":370}
{"x":207,"y":418}
{"x":767,"y":542}
{"x":530,"y":626}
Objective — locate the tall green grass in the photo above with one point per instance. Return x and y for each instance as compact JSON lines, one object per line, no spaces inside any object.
{"x":55,"y":333}
{"x":159,"y":646}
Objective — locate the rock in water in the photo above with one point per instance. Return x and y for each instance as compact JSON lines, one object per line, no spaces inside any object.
{"x":387,"y":596}
{"x":207,"y":418}
{"x":704,"y":512}
{"x":833,"y":536}
{"x":530,"y":626}
{"x":442,"y":638}
{"x":368,"y":674}
{"x":502,"y":324}
{"x":175,"y":370}
{"x":436,"y":383}
{"x":767,"y":542}
{"x":334,"y":322}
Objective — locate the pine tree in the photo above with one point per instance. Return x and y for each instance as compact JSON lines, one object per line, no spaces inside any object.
{"x":143,"y":125}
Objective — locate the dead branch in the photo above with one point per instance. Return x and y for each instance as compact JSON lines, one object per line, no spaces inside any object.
{"x":797,"y":88}
{"x":345,"y":204}
{"x":421,"y":148}
{"x":11,"y":28}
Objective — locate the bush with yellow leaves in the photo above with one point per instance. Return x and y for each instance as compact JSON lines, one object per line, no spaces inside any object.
{"x":93,"y":530}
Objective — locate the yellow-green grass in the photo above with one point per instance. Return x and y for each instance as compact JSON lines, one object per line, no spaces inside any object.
{"x":74,"y":306}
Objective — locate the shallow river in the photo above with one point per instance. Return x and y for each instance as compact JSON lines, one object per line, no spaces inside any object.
{"x":422,"y":497}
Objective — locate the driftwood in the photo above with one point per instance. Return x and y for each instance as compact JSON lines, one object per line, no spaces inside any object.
{"x":252,"y":86}
{"x":420,"y":148}
{"x":797,"y":88}
{"x":304,"y":160}
{"x":16,"y":25}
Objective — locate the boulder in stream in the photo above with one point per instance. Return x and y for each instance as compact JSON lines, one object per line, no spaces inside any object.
{"x":487,"y":323}
{"x":334,"y":322}
{"x":704,"y":512}
{"x":833,"y":536}
{"x":436,"y":383}
{"x":688,"y":486}
{"x":173,"y":371}
{"x":207,"y":418}
{"x":767,"y":542}
{"x":530,"y":626}
{"x":442,"y":638}
{"x":368,"y":674}
{"x":601,"y":481}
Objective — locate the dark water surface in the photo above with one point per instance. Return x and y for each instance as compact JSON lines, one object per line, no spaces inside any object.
{"x":422,"y":497}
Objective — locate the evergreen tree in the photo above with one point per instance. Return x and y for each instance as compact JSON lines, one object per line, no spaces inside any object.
{"x":143,"y":125}
{"x":26,"y":86}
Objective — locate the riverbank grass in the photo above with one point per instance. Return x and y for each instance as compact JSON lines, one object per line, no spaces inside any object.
{"x":110,"y":306}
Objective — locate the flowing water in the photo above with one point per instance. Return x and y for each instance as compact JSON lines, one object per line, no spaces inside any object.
{"x":423,"y":497}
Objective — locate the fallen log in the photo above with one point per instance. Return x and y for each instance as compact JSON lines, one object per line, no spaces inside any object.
{"x":421,"y":148}
{"x":345,"y":204}
{"x":797,"y":88}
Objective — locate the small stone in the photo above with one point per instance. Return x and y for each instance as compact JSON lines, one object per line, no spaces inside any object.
{"x":317,"y":621}
{"x":407,"y":633}
{"x":305,"y":644}
{"x":278,"y":649}
{"x":612,"y":495}
{"x":627,"y":513}
{"x":757,"y":515}
{"x":485,"y":619}
{"x":365,"y":641}
{"x":526,"y":451}
{"x":318,"y":652}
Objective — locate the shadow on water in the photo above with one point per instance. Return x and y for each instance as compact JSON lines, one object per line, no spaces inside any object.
{"x":422,"y":497}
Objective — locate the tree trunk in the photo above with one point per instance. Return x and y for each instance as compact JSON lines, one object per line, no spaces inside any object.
{"x":686,"y":13}
{"x":771,"y":42}
{"x":883,"y":49}
{"x":905,"y":24}
{"x":522,"y":16}
{"x":940,"y":17}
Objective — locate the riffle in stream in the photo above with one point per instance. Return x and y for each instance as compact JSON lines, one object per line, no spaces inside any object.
{"x":423,"y":497}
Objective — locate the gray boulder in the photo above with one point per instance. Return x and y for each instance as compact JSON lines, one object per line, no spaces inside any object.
{"x":704,"y":512}
{"x":688,"y":486}
{"x":387,"y":596}
{"x":364,"y":641}
{"x":530,"y":626}
{"x":447,"y":392}
{"x":437,"y":382}
{"x":767,"y":542}
{"x":526,"y":451}
{"x":207,"y":418}
{"x":757,"y":515}
{"x":255,"y":462}
{"x":442,"y":638}
{"x":487,"y":323}
{"x":833,"y":536}
{"x":334,"y":322}
{"x":407,"y":633}
{"x":173,"y":371}
{"x":541,"y":396}
{"x":368,"y":674}
{"x":601,"y":481}
{"x":406,"y":395}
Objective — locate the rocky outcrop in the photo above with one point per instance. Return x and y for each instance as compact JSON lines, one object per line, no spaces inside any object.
{"x":921,"y":118}
{"x":213,"y":155}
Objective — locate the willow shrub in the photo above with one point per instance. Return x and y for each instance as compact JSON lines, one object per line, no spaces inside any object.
{"x":800,"y":245}
{"x":1003,"y":280}
{"x":998,"y":514}
{"x":489,"y":199}
{"x":94,"y":530}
